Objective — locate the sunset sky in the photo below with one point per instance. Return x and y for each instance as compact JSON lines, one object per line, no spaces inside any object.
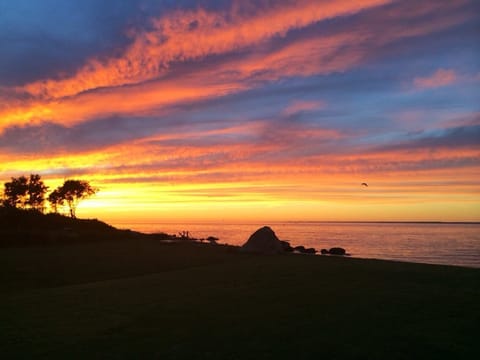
{"x":244,"y":110}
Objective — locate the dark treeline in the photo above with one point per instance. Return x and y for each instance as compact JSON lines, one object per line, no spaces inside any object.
{"x":25,"y":221}
{"x":31,"y":193}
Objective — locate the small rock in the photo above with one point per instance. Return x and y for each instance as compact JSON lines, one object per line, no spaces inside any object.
{"x":212,"y":240}
{"x":299,"y":248}
{"x":310,"y":251}
{"x":337,"y":251}
{"x":286,"y":246}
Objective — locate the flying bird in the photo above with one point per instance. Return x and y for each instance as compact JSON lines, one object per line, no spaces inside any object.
{"x":364,"y":184}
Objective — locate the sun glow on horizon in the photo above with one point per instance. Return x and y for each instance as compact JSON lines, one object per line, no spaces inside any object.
{"x":247,"y":202}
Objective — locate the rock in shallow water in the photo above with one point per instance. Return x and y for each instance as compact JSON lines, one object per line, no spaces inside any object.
{"x":286,"y":246}
{"x":300,"y":248}
{"x":303,"y":250}
{"x":337,"y":251}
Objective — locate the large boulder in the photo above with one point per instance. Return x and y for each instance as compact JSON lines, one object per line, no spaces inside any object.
{"x":264,"y":241}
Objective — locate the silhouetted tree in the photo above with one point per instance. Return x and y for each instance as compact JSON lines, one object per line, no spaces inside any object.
{"x":25,"y":192}
{"x":15,"y":192}
{"x":71,"y":192}
{"x":55,"y":199}
{"x":36,"y":193}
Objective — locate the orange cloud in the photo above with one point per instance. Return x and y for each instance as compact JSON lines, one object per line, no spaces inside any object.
{"x":188,"y":35}
{"x":142,"y":99}
{"x":440,"y":78}
{"x":172,"y":41}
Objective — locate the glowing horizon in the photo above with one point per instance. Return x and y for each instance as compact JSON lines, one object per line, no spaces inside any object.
{"x":247,"y":110}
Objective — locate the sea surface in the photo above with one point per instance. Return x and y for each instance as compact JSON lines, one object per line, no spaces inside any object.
{"x":434,"y":243}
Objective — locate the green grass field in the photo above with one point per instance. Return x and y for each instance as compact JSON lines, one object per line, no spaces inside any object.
{"x":144,"y":299}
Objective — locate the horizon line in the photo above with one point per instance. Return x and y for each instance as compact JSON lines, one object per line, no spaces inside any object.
{"x":306,"y":222}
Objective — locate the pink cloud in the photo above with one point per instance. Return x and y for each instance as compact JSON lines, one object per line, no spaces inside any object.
{"x":298,"y":106}
{"x":440,"y":78}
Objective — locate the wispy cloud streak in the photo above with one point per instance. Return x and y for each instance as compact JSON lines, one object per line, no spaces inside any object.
{"x":190,"y":35}
{"x":440,"y":78}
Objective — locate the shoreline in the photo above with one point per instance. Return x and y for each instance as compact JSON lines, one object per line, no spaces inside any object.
{"x":25,"y":228}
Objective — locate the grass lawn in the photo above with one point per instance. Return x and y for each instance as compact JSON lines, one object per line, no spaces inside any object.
{"x":144,"y":299}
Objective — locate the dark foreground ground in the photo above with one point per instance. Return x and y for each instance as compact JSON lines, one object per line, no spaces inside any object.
{"x":144,"y":299}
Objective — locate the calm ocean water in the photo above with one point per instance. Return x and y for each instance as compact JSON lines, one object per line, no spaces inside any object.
{"x":450,"y":244}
